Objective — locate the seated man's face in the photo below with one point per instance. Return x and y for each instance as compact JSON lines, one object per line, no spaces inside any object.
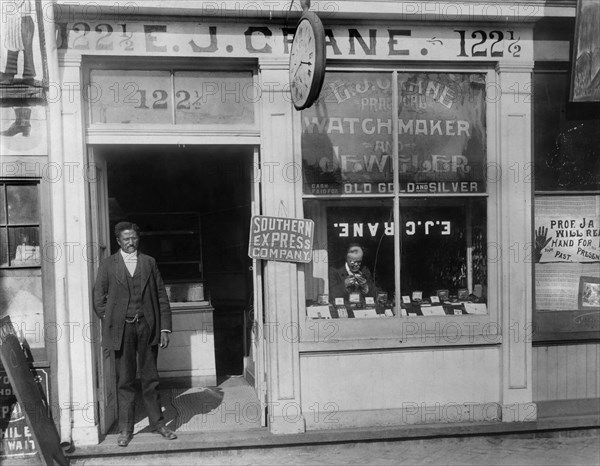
{"x":354,"y":258}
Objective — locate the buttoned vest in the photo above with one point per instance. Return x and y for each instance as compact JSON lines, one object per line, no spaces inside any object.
{"x":135,"y":292}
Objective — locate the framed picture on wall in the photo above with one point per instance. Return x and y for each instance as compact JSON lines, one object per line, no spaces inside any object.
{"x":585,"y":77}
{"x":589,"y":293}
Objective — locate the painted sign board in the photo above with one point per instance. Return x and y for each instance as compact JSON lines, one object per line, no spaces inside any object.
{"x":22,"y":57}
{"x":33,"y":406}
{"x":23,"y":78}
{"x":281,"y":239}
{"x":17,"y":438}
{"x":205,"y":39}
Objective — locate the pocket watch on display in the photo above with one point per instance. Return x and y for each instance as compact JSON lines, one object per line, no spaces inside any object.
{"x":307,"y":61}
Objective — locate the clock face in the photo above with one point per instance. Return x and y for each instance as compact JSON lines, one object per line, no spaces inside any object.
{"x":307,"y":61}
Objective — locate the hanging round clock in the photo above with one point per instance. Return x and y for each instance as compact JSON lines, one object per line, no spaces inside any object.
{"x":307,"y":61}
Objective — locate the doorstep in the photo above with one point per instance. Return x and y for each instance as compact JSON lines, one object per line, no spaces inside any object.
{"x":551,"y":422}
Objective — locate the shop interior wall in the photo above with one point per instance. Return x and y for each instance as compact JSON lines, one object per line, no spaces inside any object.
{"x":213,"y":182}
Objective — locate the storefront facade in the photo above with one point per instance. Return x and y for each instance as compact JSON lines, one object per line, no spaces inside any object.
{"x":421,"y":149}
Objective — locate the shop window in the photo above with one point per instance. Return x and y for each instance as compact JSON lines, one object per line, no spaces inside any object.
{"x":442,"y":250}
{"x":21,"y":295}
{"x":19,"y":225}
{"x":393,"y":166}
{"x":362,"y":229}
{"x":567,"y":212}
{"x":566,"y":137}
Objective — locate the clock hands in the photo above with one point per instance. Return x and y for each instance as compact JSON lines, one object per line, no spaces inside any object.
{"x":297,"y":70}
{"x":300,"y":65}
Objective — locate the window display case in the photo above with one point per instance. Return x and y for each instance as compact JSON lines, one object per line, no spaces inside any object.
{"x":394,"y":179}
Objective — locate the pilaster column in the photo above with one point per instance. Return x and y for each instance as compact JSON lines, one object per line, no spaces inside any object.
{"x":72,"y":242}
{"x":279,"y":178}
{"x":514,"y":189}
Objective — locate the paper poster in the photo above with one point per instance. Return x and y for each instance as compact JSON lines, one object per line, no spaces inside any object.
{"x":567,"y":229}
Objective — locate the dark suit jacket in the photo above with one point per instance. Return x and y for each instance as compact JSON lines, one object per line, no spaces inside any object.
{"x":337,"y":287}
{"x":111,"y":297}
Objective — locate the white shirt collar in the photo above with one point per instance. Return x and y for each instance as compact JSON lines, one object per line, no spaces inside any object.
{"x":129,"y":257}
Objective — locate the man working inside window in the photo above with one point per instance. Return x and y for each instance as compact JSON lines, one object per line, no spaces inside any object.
{"x":352,"y":277}
{"x":131,"y":300}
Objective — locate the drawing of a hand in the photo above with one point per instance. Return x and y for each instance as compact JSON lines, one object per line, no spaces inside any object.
{"x":540,"y":243}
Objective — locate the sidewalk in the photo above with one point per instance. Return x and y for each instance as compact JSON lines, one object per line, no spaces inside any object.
{"x":492,"y":450}
{"x":217,"y":444}
{"x":565,"y":433}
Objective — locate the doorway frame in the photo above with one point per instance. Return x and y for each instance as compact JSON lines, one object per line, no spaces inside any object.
{"x":100,"y":234}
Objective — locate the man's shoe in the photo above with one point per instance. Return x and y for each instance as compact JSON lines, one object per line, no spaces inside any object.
{"x":124,"y":439}
{"x":166,"y":433}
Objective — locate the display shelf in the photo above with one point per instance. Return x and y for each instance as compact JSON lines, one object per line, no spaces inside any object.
{"x":174,"y":239}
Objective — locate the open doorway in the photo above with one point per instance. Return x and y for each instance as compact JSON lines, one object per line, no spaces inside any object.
{"x":201,"y":194}
{"x":193,"y":205}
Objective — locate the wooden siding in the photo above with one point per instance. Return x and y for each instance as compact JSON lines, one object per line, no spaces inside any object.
{"x":566,"y":372}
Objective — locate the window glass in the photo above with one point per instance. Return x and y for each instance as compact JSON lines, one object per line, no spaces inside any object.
{"x":441,"y":132}
{"x":420,"y":249}
{"x":566,"y":137}
{"x":347,"y":136}
{"x":24,"y":246}
{"x":20,"y":259}
{"x":23,"y":205}
{"x":203,"y":97}
{"x":443,"y":253}
{"x":130,"y":97}
{"x":353,"y":261}
{"x":566,"y":212}
{"x":2,"y":205}
{"x":19,"y":236}
{"x":567,"y":272}
{"x":22,"y":300}
{"x":3,"y":248}
{"x":172,"y":97}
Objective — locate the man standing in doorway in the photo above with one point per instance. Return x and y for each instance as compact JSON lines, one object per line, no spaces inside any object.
{"x":131,"y":300}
